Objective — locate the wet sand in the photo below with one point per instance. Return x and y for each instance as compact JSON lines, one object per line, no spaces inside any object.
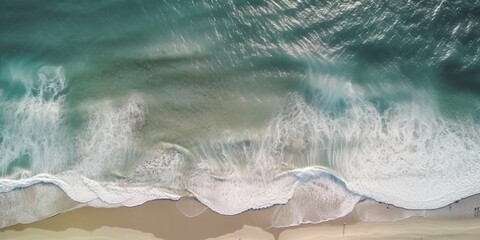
{"x":162,"y":220}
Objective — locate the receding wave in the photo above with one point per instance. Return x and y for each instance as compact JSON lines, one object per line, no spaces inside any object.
{"x":367,"y":153}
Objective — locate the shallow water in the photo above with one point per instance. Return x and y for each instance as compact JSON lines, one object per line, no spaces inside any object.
{"x":241,"y":105}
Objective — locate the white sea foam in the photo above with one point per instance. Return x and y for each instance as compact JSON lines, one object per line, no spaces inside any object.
{"x":233,"y":195}
{"x":411,"y":145}
{"x":28,"y":205}
{"x":318,"y":197}
{"x":378,"y":154}
{"x":33,"y":135}
{"x":382,"y":154}
{"x":108,"y":138}
{"x":230,"y":177}
{"x":235,"y":175}
{"x":162,"y":167}
{"x":107,"y":150}
{"x":355,"y":143}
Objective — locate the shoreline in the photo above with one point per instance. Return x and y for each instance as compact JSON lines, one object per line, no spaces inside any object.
{"x":161,"y":219}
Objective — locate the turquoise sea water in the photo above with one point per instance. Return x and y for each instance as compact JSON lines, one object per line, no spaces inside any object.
{"x":240,"y":104}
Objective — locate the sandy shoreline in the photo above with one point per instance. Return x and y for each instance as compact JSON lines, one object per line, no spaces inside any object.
{"x":162,"y":220}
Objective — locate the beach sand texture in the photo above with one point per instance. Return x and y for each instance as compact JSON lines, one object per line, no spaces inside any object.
{"x":162,"y":220}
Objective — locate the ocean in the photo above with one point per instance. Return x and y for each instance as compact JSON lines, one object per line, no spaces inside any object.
{"x":314,"y":106}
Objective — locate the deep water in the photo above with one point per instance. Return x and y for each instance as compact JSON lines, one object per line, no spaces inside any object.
{"x":240,"y":104}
